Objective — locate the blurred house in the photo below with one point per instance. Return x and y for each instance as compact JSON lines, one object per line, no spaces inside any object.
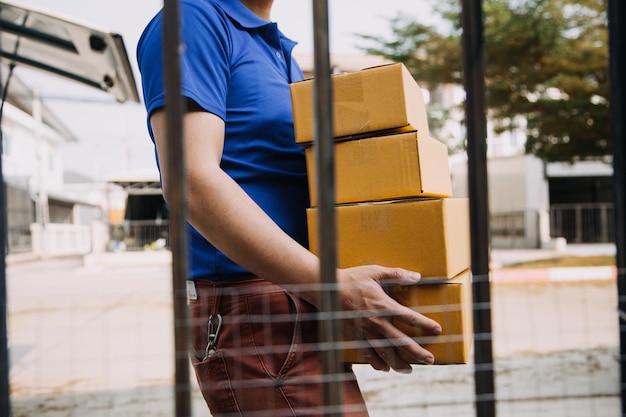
{"x":42,"y":220}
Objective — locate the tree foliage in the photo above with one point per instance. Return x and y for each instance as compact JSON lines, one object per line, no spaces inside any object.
{"x":546,"y":60}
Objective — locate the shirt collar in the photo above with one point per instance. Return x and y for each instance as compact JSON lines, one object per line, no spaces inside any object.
{"x":241,"y":14}
{"x":247,"y":19}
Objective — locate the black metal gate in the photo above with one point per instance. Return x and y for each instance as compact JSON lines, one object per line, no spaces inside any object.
{"x":583,"y":223}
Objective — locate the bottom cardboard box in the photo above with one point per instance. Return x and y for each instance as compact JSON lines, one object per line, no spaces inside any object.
{"x":447,"y":302}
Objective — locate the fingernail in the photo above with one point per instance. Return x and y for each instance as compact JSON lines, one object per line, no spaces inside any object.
{"x":428,"y":360}
{"x":405,"y":371}
{"x":414,"y":276}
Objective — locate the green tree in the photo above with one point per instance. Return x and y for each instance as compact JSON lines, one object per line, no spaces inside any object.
{"x":546,"y":61}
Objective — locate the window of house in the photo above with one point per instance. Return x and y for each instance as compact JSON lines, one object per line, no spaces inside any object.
{"x":6,"y":144}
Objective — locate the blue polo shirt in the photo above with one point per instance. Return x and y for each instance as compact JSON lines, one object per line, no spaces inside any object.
{"x":238,"y":67}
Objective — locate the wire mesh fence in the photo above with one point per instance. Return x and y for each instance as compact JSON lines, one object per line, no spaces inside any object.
{"x":95,"y":338}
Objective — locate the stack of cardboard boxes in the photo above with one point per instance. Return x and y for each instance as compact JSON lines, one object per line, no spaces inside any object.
{"x":394,"y":198}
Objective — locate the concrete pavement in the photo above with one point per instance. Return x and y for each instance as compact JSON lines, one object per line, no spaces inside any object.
{"x":501,"y":258}
{"x":93,"y":337}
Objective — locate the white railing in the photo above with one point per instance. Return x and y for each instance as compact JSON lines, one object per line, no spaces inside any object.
{"x":65,"y":239}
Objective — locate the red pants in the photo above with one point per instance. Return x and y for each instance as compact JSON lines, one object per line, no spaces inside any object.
{"x":266,"y":360}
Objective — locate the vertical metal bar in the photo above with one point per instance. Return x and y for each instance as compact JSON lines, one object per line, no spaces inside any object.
{"x":579,"y":224}
{"x":604,"y":223}
{"x":5,"y":403}
{"x":330,"y":327}
{"x":174,"y":107}
{"x":5,"y":400}
{"x":617,"y":68}
{"x":475,"y":118}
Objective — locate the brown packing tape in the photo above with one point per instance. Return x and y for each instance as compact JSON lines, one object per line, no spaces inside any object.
{"x":360,"y":118}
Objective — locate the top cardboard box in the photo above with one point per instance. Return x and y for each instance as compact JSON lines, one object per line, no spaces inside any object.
{"x":371,"y":100}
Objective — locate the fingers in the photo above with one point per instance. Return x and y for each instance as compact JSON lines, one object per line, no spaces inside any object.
{"x":387,"y":346}
{"x":376,"y":313}
{"x":397,"y":350}
{"x":401,"y":276}
{"x":416,"y":320}
{"x":406,"y":315}
{"x":371,"y":356}
{"x":397,"y":276}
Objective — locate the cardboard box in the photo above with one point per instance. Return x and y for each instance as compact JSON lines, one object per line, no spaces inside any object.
{"x":450,"y":304}
{"x":388,"y":167}
{"x":370,"y":100}
{"x":429,"y":236}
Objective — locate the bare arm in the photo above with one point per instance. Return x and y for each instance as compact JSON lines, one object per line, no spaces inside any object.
{"x":222,"y":212}
{"x":228,"y":218}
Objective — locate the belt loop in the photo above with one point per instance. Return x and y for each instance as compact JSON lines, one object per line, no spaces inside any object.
{"x":192,"y":292}
{"x":214,"y":299}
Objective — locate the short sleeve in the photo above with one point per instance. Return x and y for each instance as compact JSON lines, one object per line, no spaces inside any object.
{"x":204,"y":58}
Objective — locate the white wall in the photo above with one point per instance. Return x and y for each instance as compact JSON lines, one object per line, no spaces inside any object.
{"x":537,"y":188}
{"x":516,"y":185}
{"x":511,"y":182}
{"x":26,"y":146}
{"x":580,"y":169}
{"x":507,"y":184}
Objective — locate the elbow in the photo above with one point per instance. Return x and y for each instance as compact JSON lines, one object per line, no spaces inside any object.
{"x":166,"y":192}
{"x":171,"y":196}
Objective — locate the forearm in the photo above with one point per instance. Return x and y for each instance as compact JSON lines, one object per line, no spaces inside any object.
{"x":228,"y":218}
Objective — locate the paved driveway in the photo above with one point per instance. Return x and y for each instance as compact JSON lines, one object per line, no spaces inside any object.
{"x":95,"y":339}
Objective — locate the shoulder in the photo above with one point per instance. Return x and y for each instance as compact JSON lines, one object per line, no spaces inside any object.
{"x":202,"y":22}
{"x":195,"y":15}
{"x":205,"y":10}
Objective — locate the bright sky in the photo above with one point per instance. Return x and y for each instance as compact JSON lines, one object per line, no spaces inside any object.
{"x":113,"y":137}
